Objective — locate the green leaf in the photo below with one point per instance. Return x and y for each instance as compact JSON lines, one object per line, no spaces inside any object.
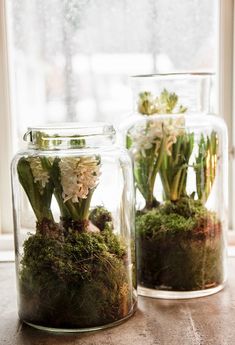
{"x":40,"y":202}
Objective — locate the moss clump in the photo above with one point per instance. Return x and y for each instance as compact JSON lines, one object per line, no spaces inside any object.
{"x":186,"y":207}
{"x":77,"y":280}
{"x":180,"y":247}
{"x":99,"y":216}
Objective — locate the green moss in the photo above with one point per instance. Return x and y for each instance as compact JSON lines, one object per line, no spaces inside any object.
{"x":156,"y":225}
{"x":99,"y":216}
{"x":180,"y":247}
{"x":185,"y":207}
{"x":79,"y":280}
{"x":114,"y":244}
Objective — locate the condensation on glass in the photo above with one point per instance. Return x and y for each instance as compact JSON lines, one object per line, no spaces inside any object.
{"x":76,"y":263}
{"x":180,"y":163}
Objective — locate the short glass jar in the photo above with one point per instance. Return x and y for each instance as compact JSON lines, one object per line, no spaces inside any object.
{"x":74,"y":229}
{"x":180,"y":169}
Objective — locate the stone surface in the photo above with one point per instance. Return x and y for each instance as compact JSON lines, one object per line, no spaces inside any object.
{"x":209,"y":320}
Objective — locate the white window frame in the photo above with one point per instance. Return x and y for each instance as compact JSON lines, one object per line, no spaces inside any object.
{"x":6,"y":224}
{"x":226,"y":79}
{"x":225,"y":107}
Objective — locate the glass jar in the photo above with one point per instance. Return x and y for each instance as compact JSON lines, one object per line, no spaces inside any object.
{"x":74,"y":220}
{"x":180,"y":169}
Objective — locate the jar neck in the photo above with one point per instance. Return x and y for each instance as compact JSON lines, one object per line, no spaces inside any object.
{"x":193,"y":91}
{"x":70,"y":138}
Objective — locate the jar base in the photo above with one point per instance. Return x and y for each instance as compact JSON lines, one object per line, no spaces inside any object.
{"x":82,"y":330}
{"x":164,"y":294}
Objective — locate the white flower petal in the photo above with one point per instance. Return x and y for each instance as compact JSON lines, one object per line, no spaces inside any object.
{"x":39,"y":174}
{"x":78,"y":176}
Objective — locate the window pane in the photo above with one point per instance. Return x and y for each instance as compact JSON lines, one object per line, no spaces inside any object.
{"x":70,"y":58}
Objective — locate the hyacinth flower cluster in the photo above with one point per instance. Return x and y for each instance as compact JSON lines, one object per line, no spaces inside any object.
{"x":163,"y":146}
{"x":72,"y":180}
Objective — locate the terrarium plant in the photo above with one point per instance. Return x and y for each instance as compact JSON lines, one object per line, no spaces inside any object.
{"x":179,"y":239}
{"x":73,"y":272}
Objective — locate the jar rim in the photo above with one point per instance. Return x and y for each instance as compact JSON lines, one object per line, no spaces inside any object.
{"x":73,"y":133}
{"x":173,"y":75}
{"x":80,"y":129}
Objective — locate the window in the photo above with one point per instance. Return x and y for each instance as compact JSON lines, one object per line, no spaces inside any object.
{"x":5,"y":130}
{"x":69,"y":60}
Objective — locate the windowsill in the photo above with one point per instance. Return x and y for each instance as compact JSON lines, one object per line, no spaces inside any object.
{"x":7,"y":248}
{"x":231,"y":250}
{"x":6,"y":241}
{"x":7,"y":256}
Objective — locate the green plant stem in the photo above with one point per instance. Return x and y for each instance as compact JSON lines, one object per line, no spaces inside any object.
{"x":182,"y":183}
{"x":85,"y":206}
{"x":177,"y":185}
{"x":165,"y":184}
{"x":174,"y":194}
{"x":150,"y":197}
{"x":176,"y":151}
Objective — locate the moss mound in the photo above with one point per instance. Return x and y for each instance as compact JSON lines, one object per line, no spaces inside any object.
{"x":80,"y":279}
{"x":99,"y":216}
{"x":180,"y":247}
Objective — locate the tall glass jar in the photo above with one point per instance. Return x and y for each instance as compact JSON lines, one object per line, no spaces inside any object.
{"x":74,"y":219}
{"x":180,"y":169}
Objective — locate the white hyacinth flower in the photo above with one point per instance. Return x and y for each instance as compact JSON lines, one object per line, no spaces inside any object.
{"x":78,"y":176}
{"x":173,"y":129}
{"x":39,"y":173}
{"x":140,"y":142}
{"x":144,"y":136}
